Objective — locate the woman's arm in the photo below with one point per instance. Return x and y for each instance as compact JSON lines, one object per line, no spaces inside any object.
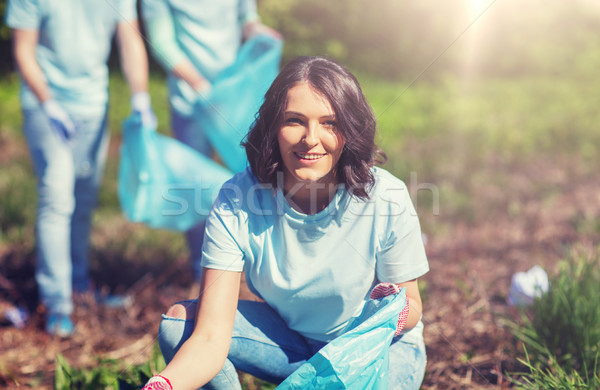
{"x":134,"y":63}
{"x":186,"y":71}
{"x":414,"y":302}
{"x":167,"y":52}
{"x":24,"y":46}
{"x":255,"y":27}
{"x":203,"y":355}
{"x":132,"y":53}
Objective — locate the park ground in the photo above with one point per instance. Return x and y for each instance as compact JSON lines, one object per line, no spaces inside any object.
{"x":504,"y":177}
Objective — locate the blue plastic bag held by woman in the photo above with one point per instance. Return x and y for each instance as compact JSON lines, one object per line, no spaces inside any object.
{"x":225,"y":115}
{"x":163,"y":182}
{"x":359,"y":358}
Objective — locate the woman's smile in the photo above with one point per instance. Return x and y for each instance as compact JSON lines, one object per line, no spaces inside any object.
{"x":311,"y":157}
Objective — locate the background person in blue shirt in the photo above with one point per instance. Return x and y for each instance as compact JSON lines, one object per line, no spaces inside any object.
{"x":61,"y":50}
{"x":314,"y":226}
{"x":194,"y":41}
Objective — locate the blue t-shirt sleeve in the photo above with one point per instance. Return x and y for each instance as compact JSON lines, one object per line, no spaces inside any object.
{"x":127,"y":10}
{"x":248,"y":12}
{"x":401,"y":256}
{"x":154,"y":8}
{"x":226,"y":227}
{"x":23,"y":14}
{"x":159,"y":24}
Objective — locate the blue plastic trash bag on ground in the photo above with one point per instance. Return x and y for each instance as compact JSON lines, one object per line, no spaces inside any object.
{"x":163,"y":182}
{"x":226,"y":113}
{"x":358,"y":359}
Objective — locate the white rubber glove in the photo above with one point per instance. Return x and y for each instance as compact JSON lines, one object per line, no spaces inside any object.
{"x":59,"y":120}
{"x":158,"y":382}
{"x":140,"y":103}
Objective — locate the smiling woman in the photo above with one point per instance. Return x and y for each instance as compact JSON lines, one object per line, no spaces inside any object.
{"x":335,"y":96}
{"x":315,"y":227}
{"x":310,"y":148}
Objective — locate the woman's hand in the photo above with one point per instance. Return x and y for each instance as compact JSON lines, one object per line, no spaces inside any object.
{"x":411,"y":314}
{"x":385,"y":289}
{"x":252,"y":29}
{"x":158,"y":382}
{"x":203,"y":354}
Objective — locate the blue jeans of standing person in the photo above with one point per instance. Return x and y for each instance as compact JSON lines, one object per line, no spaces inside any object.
{"x":263,"y":345}
{"x":68,"y":178}
{"x":186,"y":129}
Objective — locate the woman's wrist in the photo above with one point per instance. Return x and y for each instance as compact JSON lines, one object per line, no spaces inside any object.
{"x":158,"y":382}
{"x":201,"y":86}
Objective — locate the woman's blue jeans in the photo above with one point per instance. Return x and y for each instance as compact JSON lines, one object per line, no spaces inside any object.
{"x":68,"y":178}
{"x":186,"y":129}
{"x":263,"y":345}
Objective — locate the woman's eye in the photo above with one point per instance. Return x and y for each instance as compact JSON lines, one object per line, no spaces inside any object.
{"x":293,"y":121}
{"x":330,"y":124}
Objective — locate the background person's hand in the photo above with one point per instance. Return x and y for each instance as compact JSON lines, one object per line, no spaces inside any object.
{"x":252,"y":29}
{"x":59,"y":120}
{"x":158,"y":382}
{"x":140,"y":103}
{"x":202,"y":87}
{"x":383,"y":290}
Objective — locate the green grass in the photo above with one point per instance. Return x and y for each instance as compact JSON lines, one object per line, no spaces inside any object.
{"x":516,"y":119}
{"x":17,"y":187}
{"x":109,"y":374}
{"x":553,"y":376}
{"x":10,"y":120}
{"x":562,"y":334}
{"x":112,"y":374}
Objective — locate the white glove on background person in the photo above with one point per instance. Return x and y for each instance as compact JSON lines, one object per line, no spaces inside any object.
{"x":140,"y":103}
{"x":59,"y":120}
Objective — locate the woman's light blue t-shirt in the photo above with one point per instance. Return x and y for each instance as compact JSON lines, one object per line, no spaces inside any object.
{"x":316,"y":270}
{"x":75,"y":38}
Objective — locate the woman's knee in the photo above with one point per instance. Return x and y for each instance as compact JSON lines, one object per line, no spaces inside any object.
{"x":182,"y":310}
{"x":176,"y":327}
{"x":408,"y":360}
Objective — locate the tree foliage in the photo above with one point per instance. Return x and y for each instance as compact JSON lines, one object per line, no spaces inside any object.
{"x":402,"y":39}
{"x":410,"y":39}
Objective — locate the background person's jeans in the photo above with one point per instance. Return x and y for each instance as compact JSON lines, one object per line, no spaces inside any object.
{"x":68,"y":178}
{"x":187,"y":130}
{"x":263,"y":345}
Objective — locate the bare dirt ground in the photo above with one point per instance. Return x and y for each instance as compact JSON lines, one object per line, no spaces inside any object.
{"x":549,"y":208}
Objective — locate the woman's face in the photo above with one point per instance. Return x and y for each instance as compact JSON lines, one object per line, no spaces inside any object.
{"x":308,"y":141}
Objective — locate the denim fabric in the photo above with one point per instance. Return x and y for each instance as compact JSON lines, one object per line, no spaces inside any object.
{"x":186,"y":130}
{"x":263,"y":345}
{"x":408,"y":360}
{"x":68,"y":178}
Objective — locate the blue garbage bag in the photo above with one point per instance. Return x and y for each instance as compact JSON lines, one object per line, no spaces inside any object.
{"x":227,"y":112}
{"x":359,"y":358}
{"x":163,"y":182}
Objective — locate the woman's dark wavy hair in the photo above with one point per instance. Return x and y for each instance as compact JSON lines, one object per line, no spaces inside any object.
{"x":355,"y":123}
